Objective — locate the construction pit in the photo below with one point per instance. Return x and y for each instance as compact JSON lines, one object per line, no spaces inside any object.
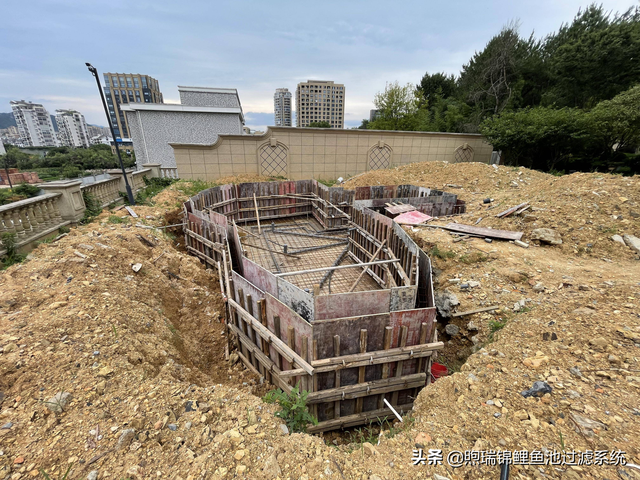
{"x":142,"y":353}
{"x":323,"y":291}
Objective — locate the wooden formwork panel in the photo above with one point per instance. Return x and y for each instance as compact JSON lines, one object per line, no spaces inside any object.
{"x":351,"y":304}
{"x":403,"y":298}
{"x":280,"y":314}
{"x":300,"y":301}
{"x":260,"y":277}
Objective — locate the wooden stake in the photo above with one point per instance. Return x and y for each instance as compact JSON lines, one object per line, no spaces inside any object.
{"x":255,"y":204}
{"x":403,"y":342}
{"x":336,"y":383}
{"x":291,"y":343}
{"x":373,"y":257}
{"x":361,"y":370}
{"x":386,"y":345}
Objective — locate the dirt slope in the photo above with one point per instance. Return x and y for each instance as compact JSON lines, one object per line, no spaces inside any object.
{"x":142,"y":353}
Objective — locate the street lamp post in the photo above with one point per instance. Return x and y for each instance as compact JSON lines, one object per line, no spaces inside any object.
{"x":94,"y":72}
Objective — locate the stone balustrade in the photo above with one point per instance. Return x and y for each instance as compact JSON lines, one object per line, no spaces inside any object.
{"x":137,"y":179}
{"x":31,"y":219}
{"x":106,"y":191}
{"x":169,"y":172}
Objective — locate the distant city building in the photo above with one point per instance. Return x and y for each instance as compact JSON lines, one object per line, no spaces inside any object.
{"x":72,"y":129}
{"x":10,"y":135}
{"x":95,"y":131}
{"x":100,"y":140}
{"x":124,"y":88}
{"x":320,"y":101}
{"x":282,"y":107}
{"x":2,"y":150}
{"x":203,"y":114}
{"x":34,"y":124}
{"x":373,"y":114}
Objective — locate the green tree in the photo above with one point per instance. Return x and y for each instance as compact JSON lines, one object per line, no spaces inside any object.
{"x":614,"y":125}
{"x":594,"y":58}
{"x":364,"y":125}
{"x":322,"y":124}
{"x":539,"y":137}
{"x":398,"y":108}
{"x":489,"y":81}
{"x":437,"y":85}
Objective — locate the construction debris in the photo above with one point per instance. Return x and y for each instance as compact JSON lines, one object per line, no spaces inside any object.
{"x":131,"y":212}
{"x":511,"y":210}
{"x":483,"y":232}
{"x":412,"y":218}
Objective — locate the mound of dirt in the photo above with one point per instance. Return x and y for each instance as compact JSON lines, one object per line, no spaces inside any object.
{"x":117,"y":373}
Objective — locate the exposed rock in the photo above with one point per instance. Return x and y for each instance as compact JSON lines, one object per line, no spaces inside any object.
{"x":472,"y":327}
{"x":537,"y":390}
{"x":11,"y":347}
{"x":369,"y":449}
{"x":538,"y":287}
{"x":452,"y":329}
{"x":59,"y":402}
{"x":125,"y":438}
{"x":445,"y":301}
{"x":619,"y":239}
{"x":271,"y":468}
{"x":546,"y":235}
{"x":284,"y":429}
{"x":586,"y":425}
{"x":93,"y":475}
{"x":632,"y":242}
{"x":439,"y":477}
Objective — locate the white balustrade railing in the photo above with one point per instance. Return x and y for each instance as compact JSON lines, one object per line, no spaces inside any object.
{"x":169,"y":172}
{"x":31,"y":218}
{"x":106,"y":191}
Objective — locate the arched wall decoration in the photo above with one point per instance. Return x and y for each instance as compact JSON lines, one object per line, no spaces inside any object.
{"x":273,"y":158}
{"x":379,"y":156}
{"x":464,"y":153}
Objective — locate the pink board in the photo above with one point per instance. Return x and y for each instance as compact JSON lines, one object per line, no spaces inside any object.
{"x":260,"y":277}
{"x":353,"y":304}
{"x":288,"y":317}
{"x":412,"y":319}
{"x":412,"y":218}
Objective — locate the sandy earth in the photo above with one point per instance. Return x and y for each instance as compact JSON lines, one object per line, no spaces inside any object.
{"x":141,"y":353}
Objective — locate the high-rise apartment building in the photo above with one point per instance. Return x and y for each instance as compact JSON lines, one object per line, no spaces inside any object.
{"x":124,"y":88}
{"x":282,"y":107}
{"x":72,"y":129}
{"x":320,"y":101}
{"x":34,"y":124}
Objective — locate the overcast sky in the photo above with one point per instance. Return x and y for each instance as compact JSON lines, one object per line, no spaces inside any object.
{"x":254,"y":46}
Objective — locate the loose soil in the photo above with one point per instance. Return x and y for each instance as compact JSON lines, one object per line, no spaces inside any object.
{"x":142,"y":353}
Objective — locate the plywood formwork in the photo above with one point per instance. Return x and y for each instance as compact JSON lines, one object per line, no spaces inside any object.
{"x":323,"y":291}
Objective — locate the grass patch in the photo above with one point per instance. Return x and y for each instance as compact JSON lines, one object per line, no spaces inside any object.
{"x":93,"y":208}
{"x":328,"y":183}
{"x":46,"y":476}
{"x":193,"y":187}
{"x":442,"y":254}
{"x":116,"y":219}
{"x":496,"y":326}
{"x":293,"y":408}
{"x":8,"y":241}
{"x":473,"y":257}
{"x":153,"y":186}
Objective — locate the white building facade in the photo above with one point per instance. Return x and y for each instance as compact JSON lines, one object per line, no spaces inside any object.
{"x":282,"y":107}
{"x":34,"y":124}
{"x":72,"y":129}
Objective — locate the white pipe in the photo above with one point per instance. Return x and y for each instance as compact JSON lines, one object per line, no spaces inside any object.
{"x":393,"y":410}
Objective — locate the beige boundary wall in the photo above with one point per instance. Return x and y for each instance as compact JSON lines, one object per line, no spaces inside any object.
{"x":323,"y":153}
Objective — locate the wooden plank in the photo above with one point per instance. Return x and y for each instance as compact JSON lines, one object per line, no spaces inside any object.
{"x":357,"y":419}
{"x":339,"y":267}
{"x":371,"y":259}
{"x":361,"y":369}
{"x":483,"y":232}
{"x":374,"y":387}
{"x":388,"y":333}
{"x":131,"y":212}
{"x":511,"y":210}
{"x":403,"y":341}
{"x":375,"y":361}
{"x":314,"y":383}
{"x":291,"y":340}
{"x":262,"y":313}
{"x":283,"y":349}
{"x":477,"y":310}
{"x":336,"y":352}
{"x":373,"y":356}
{"x":252,"y":335}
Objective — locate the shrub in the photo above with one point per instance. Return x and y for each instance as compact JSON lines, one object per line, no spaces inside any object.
{"x":442,"y":254}
{"x":26,"y":190}
{"x":12,"y":256}
{"x":293,"y":408}
{"x":117,"y":219}
{"x":92,"y":207}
